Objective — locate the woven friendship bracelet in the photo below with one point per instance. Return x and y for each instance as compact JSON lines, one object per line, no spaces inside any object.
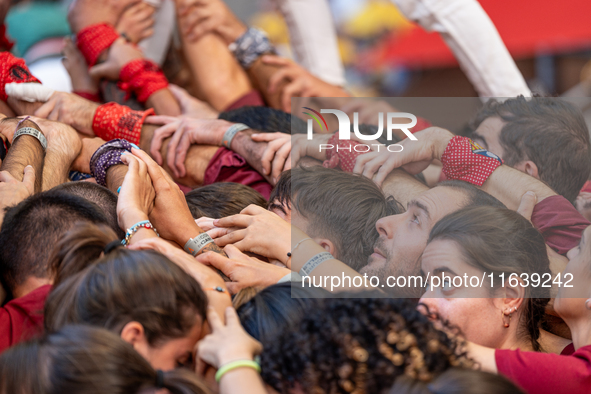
{"x":231,"y":133}
{"x":13,"y":69}
{"x":315,"y":262}
{"x":113,"y":120}
{"x":106,"y":156}
{"x":143,"y":78}
{"x":94,"y":40}
{"x":194,"y":245}
{"x":465,"y":160}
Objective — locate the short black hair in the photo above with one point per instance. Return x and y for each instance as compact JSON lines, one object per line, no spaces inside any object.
{"x":265,"y":119}
{"x":32,"y":228}
{"x":100,"y":195}
{"x":222,"y":199}
{"x":550,"y":132}
{"x":276,"y":308}
{"x":475,"y":196}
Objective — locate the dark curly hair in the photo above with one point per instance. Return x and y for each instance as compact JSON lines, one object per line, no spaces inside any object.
{"x":353,"y":345}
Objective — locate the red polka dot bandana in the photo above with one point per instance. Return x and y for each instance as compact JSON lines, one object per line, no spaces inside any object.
{"x":142,"y":77}
{"x":113,"y":120}
{"x":94,"y":40}
{"x":465,"y":160}
{"x":13,"y":69}
{"x":342,"y":154}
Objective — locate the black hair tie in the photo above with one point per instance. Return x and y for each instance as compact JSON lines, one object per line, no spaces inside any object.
{"x":159,"y":379}
{"x":112,"y":245}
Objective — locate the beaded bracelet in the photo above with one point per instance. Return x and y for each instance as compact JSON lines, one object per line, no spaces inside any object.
{"x":234,"y":365}
{"x":134,"y":229}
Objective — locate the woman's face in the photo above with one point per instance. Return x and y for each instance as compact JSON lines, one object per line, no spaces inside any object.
{"x":471,"y":309}
{"x":171,"y":353}
{"x":576,"y":281}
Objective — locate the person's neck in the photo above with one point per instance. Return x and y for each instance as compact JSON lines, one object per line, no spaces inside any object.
{"x":513,"y":342}
{"x":581,"y":332}
{"x":31,"y":284}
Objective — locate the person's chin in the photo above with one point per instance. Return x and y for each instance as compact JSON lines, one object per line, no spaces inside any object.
{"x":375,"y":263}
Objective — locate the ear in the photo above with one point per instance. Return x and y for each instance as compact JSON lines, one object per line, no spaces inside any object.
{"x":510,"y":298}
{"x":588,"y":303}
{"x":327,"y":245}
{"x":529,"y":167}
{"x":133,"y":333}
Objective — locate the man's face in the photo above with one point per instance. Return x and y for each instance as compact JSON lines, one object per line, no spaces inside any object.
{"x":488,"y":135}
{"x":403,"y":237}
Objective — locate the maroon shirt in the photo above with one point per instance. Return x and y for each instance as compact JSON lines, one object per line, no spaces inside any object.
{"x":545,"y":373}
{"x":559,"y":222}
{"x":22,"y":318}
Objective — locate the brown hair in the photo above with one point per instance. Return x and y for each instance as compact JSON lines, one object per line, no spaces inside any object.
{"x":342,"y":207}
{"x":498,"y":240}
{"x":222,"y":199}
{"x":119,"y":287}
{"x":548,"y":131}
{"x":84,"y":359}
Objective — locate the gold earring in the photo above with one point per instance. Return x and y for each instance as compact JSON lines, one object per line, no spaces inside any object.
{"x":505,"y":322}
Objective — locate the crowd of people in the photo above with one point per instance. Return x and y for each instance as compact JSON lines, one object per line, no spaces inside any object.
{"x":160,"y":239}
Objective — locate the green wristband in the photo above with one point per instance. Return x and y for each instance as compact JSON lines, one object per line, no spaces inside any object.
{"x":236,"y":364}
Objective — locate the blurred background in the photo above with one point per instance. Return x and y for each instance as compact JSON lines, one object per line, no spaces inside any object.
{"x":386,"y":55}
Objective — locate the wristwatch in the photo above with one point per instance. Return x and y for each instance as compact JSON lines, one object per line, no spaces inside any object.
{"x":33,"y":133}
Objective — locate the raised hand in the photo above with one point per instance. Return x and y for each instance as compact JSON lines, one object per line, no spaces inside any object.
{"x":277,"y":155}
{"x":185,"y":132}
{"x":257,"y":230}
{"x":300,"y":83}
{"x":200,"y":17}
{"x":120,"y":53}
{"x":137,"y":22}
{"x":13,"y":191}
{"x":244,"y":271}
{"x":70,"y":109}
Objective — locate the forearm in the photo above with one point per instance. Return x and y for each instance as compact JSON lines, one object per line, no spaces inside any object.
{"x":221,"y":82}
{"x":509,"y":185}
{"x":484,"y":356}
{"x":331,"y":268}
{"x":25,"y":151}
{"x":260,"y":74}
{"x":250,"y":150}
{"x":164,"y":103}
{"x":236,"y":380}
{"x":115,"y":176}
{"x":196,"y":162}
{"x":56,"y":169}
